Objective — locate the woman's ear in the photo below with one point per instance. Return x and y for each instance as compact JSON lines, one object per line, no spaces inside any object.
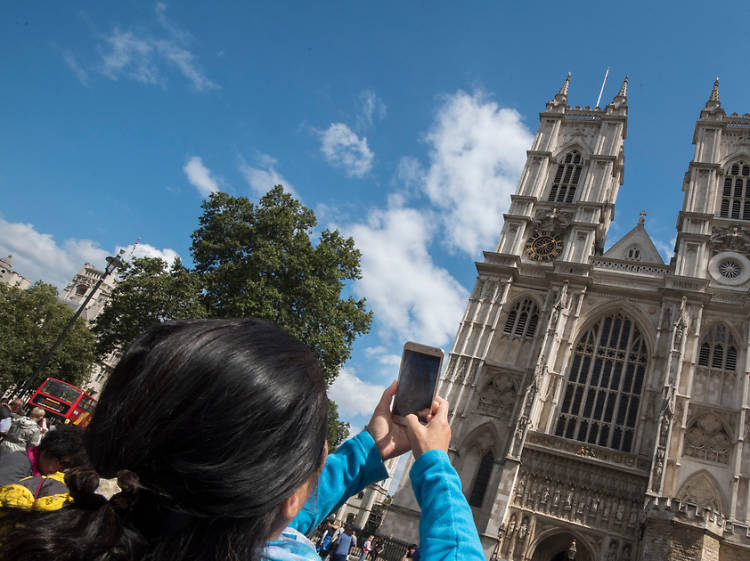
{"x":291,"y":506}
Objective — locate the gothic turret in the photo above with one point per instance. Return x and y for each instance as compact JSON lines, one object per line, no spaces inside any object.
{"x":713,"y":109}
{"x":561,"y":98}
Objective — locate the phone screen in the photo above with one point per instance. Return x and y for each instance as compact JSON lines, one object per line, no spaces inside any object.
{"x":416,"y":382}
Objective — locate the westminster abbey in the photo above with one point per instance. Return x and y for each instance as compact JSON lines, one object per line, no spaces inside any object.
{"x":600,"y":400}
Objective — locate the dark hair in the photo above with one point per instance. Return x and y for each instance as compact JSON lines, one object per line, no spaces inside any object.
{"x":65,"y":442}
{"x":208,"y":425}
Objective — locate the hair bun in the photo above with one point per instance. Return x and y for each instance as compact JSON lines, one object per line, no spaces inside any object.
{"x":130,"y":485}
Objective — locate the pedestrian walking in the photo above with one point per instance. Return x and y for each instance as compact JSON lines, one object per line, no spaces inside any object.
{"x":8,"y":412}
{"x":343,"y":544}
{"x":24,"y":433}
{"x":376,"y":549}
{"x":366,"y":548}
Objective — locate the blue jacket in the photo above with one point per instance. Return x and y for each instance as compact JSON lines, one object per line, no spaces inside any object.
{"x":446,"y":525}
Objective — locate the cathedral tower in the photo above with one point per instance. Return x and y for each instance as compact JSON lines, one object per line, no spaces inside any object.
{"x":601,"y":398}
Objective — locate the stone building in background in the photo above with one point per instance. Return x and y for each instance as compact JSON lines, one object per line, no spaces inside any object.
{"x":73,"y":295}
{"x":10,"y":277}
{"x":602,"y":399}
{"x":365,"y":509}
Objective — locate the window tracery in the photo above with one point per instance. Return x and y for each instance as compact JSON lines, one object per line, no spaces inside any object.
{"x":566,"y":179}
{"x":718,"y":350}
{"x":634,"y":253}
{"x":522,"y":319}
{"x":603,"y":389}
{"x":735,"y":200}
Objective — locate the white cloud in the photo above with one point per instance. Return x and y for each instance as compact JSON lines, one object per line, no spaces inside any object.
{"x":666,"y":249}
{"x":262,"y":178}
{"x":345,"y":150}
{"x":37,"y":256}
{"x":146,"y":250}
{"x":373,"y":108}
{"x":76,"y":68}
{"x":389,"y":363}
{"x":140,"y":55}
{"x":411,"y":296}
{"x":200,"y":176}
{"x":477,"y":153}
{"x":353,"y":395}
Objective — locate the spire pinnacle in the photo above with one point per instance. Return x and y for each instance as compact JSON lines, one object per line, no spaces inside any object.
{"x":713,"y":100}
{"x":565,"y":86}
{"x":624,"y":88}
{"x":561,"y":97}
{"x":642,"y":219}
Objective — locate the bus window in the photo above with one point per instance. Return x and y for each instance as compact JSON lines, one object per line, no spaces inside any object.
{"x":60,"y":390}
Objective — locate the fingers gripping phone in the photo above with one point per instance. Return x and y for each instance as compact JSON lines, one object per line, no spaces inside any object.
{"x":417,"y":380}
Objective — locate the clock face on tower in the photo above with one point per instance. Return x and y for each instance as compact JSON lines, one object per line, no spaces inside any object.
{"x":544,"y":246}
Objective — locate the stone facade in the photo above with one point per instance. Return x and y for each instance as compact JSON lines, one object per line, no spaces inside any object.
{"x":604,"y":398}
{"x":365,"y":510}
{"x":73,"y":295}
{"x":10,"y":277}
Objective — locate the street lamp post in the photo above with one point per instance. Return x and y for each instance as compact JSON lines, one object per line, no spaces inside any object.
{"x":113,"y":263}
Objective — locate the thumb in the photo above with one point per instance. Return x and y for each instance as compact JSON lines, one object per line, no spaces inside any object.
{"x":413,"y":425}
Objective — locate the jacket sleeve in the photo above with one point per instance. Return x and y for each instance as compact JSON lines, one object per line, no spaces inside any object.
{"x":351,"y":468}
{"x":446,"y":526}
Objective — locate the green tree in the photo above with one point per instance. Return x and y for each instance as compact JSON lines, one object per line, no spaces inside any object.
{"x":148,"y":293}
{"x":259,"y":260}
{"x":251,"y":260}
{"x":30,"y":321}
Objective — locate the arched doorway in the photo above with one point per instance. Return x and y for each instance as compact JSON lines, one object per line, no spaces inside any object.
{"x":555,"y":548}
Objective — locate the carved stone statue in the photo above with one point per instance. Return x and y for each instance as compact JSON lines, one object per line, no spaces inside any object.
{"x":524,"y":529}
{"x":595,"y":505}
{"x":511,"y":525}
{"x":625,"y":556}
{"x":620,"y":512}
{"x":612,"y":552}
{"x":569,"y":498}
{"x":556,"y":498}
{"x":545,"y":495}
{"x":633,"y":515}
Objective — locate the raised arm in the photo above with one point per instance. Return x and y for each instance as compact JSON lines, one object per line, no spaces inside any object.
{"x":446,"y":526}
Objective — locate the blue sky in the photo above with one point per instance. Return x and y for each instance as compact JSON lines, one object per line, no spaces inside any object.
{"x":404,"y":124}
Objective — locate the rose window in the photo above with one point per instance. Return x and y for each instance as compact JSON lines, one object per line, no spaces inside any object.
{"x":730,"y":269}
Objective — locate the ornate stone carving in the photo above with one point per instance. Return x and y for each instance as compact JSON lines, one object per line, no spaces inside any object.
{"x":707,"y":439}
{"x":731,"y":238}
{"x":553,"y":220}
{"x":523,"y":531}
{"x":700,"y":490}
{"x":612,"y":551}
{"x":499,"y":395}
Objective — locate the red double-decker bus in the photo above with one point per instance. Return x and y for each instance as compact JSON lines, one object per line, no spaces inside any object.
{"x":64,"y":402}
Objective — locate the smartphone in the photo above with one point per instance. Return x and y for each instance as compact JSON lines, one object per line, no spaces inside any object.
{"x":417,"y":380}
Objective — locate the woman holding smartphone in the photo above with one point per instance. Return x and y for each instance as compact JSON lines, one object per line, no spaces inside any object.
{"x":216,"y":433}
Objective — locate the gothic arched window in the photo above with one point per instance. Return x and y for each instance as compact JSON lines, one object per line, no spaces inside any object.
{"x":607,"y":371}
{"x":735,"y":199}
{"x":634,"y":253}
{"x":566,"y":179}
{"x":522,"y":319}
{"x":482,"y":480}
{"x":718,"y":350}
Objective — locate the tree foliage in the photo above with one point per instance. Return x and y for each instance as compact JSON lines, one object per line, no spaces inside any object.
{"x":259,"y":260}
{"x":149,"y":292}
{"x":30,"y":322}
{"x":255,"y":260}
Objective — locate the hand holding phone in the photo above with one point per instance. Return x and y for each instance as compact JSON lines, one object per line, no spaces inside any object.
{"x":417,"y":381}
{"x":435,"y":435}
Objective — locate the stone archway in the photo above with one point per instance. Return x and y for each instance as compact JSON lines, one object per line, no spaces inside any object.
{"x":555,"y":548}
